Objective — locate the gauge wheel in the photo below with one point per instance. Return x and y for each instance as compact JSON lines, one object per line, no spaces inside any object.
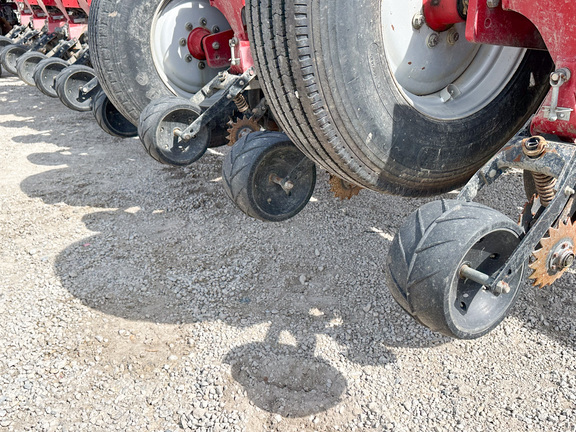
{"x":139,"y":49}
{"x":385,"y":105}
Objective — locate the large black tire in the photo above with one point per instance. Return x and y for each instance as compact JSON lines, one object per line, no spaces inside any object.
{"x":110,"y":119}
{"x":45,"y":75}
{"x":9,"y":56}
{"x":325,"y":75}
{"x":68,"y":85}
{"x":26,"y":65}
{"x":248,"y":169}
{"x":120,"y":34}
{"x":424,"y":261}
{"x":157,"y":122}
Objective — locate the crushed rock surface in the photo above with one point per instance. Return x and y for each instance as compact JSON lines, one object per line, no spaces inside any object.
{"x":136,"y":297}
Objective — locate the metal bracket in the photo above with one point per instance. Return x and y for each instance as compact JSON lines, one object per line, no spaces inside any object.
{"x":229,"y":87}
{"x":557,"y":80}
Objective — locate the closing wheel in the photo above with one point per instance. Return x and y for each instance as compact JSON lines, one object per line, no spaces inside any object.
{"x":69,"y":86}
{"x":138,"y":63}
{"x":425,"y":266}
{"x":110,"y":119}
{"x":45,"y":74}
{"x":267,"y":177}
{"x":26,"y":65}
{"x":386,"y":105}
{"x":159,"y":123}
{"x":9,"y":56}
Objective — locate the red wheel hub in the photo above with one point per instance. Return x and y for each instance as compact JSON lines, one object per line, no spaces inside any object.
{"x":195,"y":42}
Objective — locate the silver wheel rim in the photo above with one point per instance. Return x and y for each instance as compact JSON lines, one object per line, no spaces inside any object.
{"x":172,"y":23}
{"x":442,"y":75}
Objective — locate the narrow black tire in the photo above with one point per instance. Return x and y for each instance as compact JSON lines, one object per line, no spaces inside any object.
{"x":9,"y":56}
{"x":45,"y":75}
{"x":246,"y":177}
{"x":110,"y":119}
{"x":68,"y":84}
{"x":155,"y":130}
{"x":425,"y":258}
{"x":335,"y":97}
{"x":26,"y":66}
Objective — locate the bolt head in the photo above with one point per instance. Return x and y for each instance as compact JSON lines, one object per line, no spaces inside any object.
{"x":188,"y":58}
{"x":201,"y":65}
{"x":418,"y":21}
{"x":216,"y":46}
{"x":182,"y":42}
{"x":215,"y":29}
{"x":189,"y":26}
{"x":203,"y":22}
{"x":433,"y":40}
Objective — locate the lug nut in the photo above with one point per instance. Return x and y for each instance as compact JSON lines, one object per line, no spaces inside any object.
{"x":189,"y":26}
{"x":188,"y":58}
{"x":215,"y":29}
{"x":203,"y":22}
{"x":433,"y":40}
{"x":182,"y":42}
{"x":201,"y":65}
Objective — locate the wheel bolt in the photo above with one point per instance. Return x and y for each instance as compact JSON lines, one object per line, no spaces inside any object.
{"x":433,"y":40}
{"x":201,"y":65}
{"x":418,"y":21}
{"x":203,"y":22}
{"x":452,"y":37}
{"x":189,"y":26}
{"x":182,"y":42}
{"x":215,"y":29}
{"x":188,"y":58}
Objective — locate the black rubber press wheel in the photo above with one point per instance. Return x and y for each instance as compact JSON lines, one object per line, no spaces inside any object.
{"x":9,"y":56}
{"x":267,"y":177}
{"x":45,"y":75}
{"x":158,"y":122}
{"x":26,"y":65}
{"x":69,"y":86}
{"x":383,"y":104}
{"x":110,"y":119}
{"x":426,"y":257}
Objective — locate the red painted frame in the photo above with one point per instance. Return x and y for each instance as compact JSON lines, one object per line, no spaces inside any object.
{"x":537,"y":24}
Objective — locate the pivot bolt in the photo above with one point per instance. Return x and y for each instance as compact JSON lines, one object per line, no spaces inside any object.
{"x":418,"y":21}
{"x":216,"y":46}
{"x":433,"y":40}
{"x":566,"y":259}
{"x":492,"y":3}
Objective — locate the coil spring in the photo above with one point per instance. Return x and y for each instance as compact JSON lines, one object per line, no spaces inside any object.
{"x":241,"y":103}
{"x":545,"y":188}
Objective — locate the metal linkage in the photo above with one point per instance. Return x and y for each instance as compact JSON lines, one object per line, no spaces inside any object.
{"x":556,"y":160}
{"x":225,"y":87}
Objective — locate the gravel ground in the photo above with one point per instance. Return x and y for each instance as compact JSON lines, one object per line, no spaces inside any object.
{"x":134,"y":296}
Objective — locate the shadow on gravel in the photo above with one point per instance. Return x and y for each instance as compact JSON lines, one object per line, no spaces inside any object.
{"x":169,"y":248}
